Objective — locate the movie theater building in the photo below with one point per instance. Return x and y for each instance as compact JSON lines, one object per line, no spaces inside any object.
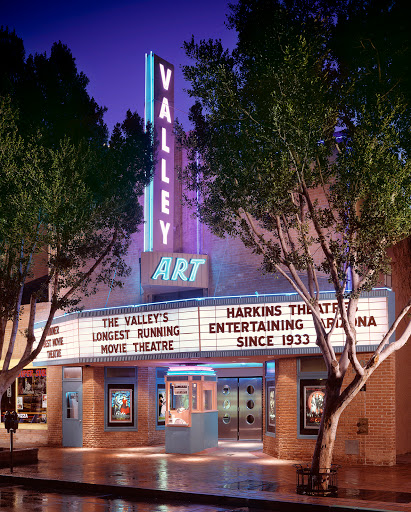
{"x":196,"y":301}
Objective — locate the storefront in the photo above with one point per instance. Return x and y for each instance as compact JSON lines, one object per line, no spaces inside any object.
{"x":193,"y":299}
{"x":113,"y":363}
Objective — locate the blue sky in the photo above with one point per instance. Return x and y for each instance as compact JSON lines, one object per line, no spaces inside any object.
{"x":109,"y":40}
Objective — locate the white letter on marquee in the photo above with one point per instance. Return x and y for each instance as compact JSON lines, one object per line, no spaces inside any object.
{"x":164,"y":176}
{"x":164,"y":230}
{"x":165,"y":110}
{"x":165,"y":203}
{"x":164,"y":146}
{"x":165,"y":79}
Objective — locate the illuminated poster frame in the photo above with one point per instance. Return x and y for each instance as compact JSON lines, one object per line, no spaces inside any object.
{"x":271,"y":407}
{"x":120,"y":405}
{"x":161,"y":404}
{"x":311,"y":407}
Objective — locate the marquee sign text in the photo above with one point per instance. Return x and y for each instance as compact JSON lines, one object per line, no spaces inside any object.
{"x":207,"y":328}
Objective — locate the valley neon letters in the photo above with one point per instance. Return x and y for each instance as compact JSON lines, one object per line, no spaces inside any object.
{"x":159,"y":207}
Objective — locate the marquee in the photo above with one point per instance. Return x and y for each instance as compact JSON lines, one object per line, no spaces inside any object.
{"x":184,"y":328}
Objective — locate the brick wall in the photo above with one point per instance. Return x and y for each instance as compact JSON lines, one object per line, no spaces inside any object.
{"x":93,"y":412}
{"x":401,"y":282}
{"x":377,"y":404}
{"x":24,"y":437}
{"x":54,"y":406}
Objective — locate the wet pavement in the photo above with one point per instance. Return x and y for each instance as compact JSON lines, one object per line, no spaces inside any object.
{"x":234,"y":475}
{"x":18,"y":498}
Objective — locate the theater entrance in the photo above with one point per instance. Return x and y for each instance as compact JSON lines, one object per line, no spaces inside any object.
{"x":239,"y":402}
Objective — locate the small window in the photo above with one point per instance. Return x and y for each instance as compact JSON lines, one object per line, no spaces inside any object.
{"x":72,"y":372}
{"x":72,"y":405}
{"x":120,"y":373}
{"x":312,"y":364}
{"x":179,"y":396}
{"x":194,"y":393}
{"x":208,"y":400}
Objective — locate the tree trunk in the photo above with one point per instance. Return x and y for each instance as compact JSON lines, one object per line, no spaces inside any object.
{"x":323,"y":453}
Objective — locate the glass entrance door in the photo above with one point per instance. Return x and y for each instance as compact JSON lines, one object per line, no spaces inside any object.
{"x":239,"y":408}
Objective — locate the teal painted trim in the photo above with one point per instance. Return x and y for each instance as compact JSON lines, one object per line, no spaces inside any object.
{"x":391,"y":312}
{"x":149,"y":118}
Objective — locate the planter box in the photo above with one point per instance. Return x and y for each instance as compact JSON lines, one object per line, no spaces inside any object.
{"x":323,"y":483}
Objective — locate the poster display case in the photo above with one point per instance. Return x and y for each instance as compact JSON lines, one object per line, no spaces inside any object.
{"x":191,"y":409}
{"x":312,"y":395}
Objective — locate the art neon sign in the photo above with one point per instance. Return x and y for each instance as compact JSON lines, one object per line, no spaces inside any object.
{"x":181,"y":265}
{"x":159,"y":194}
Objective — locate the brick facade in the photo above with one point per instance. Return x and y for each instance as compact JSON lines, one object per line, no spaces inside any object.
{"x":376,"y":403}
{"x":234,"y":270}
{"x":94,"y":434}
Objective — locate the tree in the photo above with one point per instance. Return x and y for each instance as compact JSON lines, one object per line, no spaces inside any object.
{"x":65,"y":192}
{"x":299,"y":108}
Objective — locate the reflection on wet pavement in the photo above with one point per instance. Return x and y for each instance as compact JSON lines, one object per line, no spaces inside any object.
{"x":374,"y":495}
{"x":18,"y":499}
{"x":226,"y":472}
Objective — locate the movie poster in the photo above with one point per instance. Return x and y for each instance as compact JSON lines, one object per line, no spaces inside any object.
{"x":271,"y":406}
{"x":313,"y":406}
{"x":161,"y":404}
{"x":121,"y":406}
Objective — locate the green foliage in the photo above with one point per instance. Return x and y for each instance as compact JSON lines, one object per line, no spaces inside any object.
{"x":291,"y":112}
{"x":300,"y":147}
{"x":49,"y":93}
{"x":72,"y":199}
{"x":66,"y":192}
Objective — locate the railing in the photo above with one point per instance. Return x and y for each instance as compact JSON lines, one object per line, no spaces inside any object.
{"x":321,"y":483}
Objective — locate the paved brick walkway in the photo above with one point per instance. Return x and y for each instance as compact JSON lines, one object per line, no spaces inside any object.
{"x":235,"y":474}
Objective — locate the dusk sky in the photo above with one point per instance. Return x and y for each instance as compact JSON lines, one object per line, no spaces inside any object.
{"x":110,"y":38}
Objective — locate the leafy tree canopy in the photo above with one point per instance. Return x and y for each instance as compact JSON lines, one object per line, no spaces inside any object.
{"x":49,"y":92}
{"x":303,"y":133}
{"x":68,"y":195}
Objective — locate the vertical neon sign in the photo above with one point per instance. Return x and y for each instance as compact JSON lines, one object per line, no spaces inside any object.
{"x":159,"y":195}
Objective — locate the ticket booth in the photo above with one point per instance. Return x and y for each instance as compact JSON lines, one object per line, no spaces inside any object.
{"x":191,"y":416}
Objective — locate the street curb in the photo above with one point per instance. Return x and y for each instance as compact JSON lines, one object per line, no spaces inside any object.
{"x":166,"y":496}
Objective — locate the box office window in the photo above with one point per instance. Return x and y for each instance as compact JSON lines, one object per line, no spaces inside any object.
{"x":120,"y":386}
{"x":28,"y":396}
{"x":312,"y":377}
{"x":270,"y":402}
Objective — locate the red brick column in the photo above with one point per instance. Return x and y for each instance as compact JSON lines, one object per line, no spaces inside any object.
{"x":54,"y":406}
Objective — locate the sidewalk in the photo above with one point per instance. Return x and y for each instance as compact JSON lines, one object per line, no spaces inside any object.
{"x":234,"y":474}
